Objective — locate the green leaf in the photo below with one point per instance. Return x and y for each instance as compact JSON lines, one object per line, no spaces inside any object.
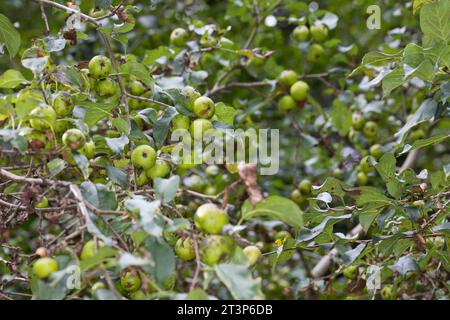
{"x":9,"y":36}
{"x":162,"y":125}
{"x":99,"y":196}
{"x":163,"y":257}
{"x":350,"y":256}
{"x":435,"y":21}
{"x":224,"y":113}
{"x":393,"y":80}
{"x":11,"y":78}
{"x":56,"y":166}
{"x":417,"y":4}
{"x":371,"y":195}
{"x":140,"y":72}
{"x":166,"y":189}
{"x":117,"y":145}
{"x":326,"y":225}
{"x":277,"y":208}
{"x":95,"y":111}
{"x":332,"y":186}
{"x":421,"y":143}
{"x":341,"y":117}
{"x":121,"y":126}
{"x":102,"y":254}
{"x":147,"y":212}
{"x":239,"y":281}
{"x":404,"y":265}
{"x":117,"y":176}
{"x":426,"y":111}
{"x":82,"y":163}
{"x":386,"y":166}
{"x":197,"y":294}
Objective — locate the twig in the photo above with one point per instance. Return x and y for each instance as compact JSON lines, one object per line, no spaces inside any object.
{"x":238,"y":85}
{"x":44,"y":17}
{"x":256,"y":27}
{"x":198,"y":263}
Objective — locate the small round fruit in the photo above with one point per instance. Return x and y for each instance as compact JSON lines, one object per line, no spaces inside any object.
{"x":42,"y":204}
{"x":89,"y":249}
{"x":74,"y":139}
{"x":365,"y":165}
{"x":100,"y":67}
{"x":376,"y":151}
{"x":337,"y":173}
{"x":315,"y":53}
{"x":210,"y":218}
{"x":300,"y":33}
{"x":179,"y":37}
{"x":253,"y":254}
{"x":386,"y":293}
{"x":180,"y":121}
{"x":136,"y":87}
{"x":130,"y":280}
{"x":319,"y":33}
{"x":361,"y":179}
{"x":88,"y":150}
{"x":297,"y":197}
{"x":199,"y":127}
{"x":370,"y":129}
{"x":299,"y":90}
{"x":204,"y":107}
{"x":191,"y":94}
{"x":143,"y":156}
{"x":44,"y":267}
{"x":232,"y":167}
{"x":350,"y":272}
{"x":212,"y":170}
{"x":216,"y":249}
{"x":184,"y":248}
{"x":286,"y":103}
{"x":43,"y":118}
{"x":63,"y":104}
{"x":417,"y":134}
{"x":41,"y":252}
{"x":138,"y":295}
{"x":287,"y":77}
{"x":358,"y":121}
{"x":305,"y":186}
{"x":170,"y":237}
{"x":105,"y":87}
{"x":160,"y":170}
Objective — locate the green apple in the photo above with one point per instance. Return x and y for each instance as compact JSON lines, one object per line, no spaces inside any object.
{"x":315,"y":53}
{"x":138,"y":295}
{"x":89,"y":249}
{"x":88,"y":150}
{"x":216,"y":249}
{"x":299,"y":91}
{"x":100,"y":67}
{"x":298,"y":197}
{"x":74,"y":139}
{"x":286,"y":103}
{"x":160,"y":170}
{"x":358,"y":121}
{"x":361,"y":179}
{"x":43,"y":118}
{"x":253,"y":254}
{"x":179,"y":37}
{"x":180,"y":121}
{"x":44,"y":267}
{"x":350,"y":272}
{"x":212,"y":170}
{"x":417,"y":134}
{"x":184,"y":248}
{"x":170,"y":237}
{"x":42,"y":204}
{"x":204,"y":107}
{"x":300,"y":33}
{"x":386,"y":293}
{"x":365,"y":165}
{"x":143,"y":156}
{"x":210,"y":218}
{"x":370,"y":129}
{"x":319,"y":33}
{"x":63,"y":104}
{"x":130,"y":280}
{"x":106,"y":87}
{"x":137,"y":88}
{"x":376,"y":151}
{"x":199,"y":127}
{"x":191,"y":95}
{"x":135,"y":104}
{"x":305,"y":186}
{"x":287,"y":77}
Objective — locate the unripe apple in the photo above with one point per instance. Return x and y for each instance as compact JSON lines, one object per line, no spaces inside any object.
{"x":315,"y":52}
{"x":305,"y":186}
{"x":299,"y":91}
{"x":74,"y":139}
{"x":180,"y":121}
{"x":417,"y":134}
{"x":210,"y":218}
{"x":287,"y":77}
{"x":216,"y":249}
{"x":130,"y":280}
{"x":232,"y":168}
{"x":100,"y":67}
{"x":365,"y":165}
{"x":137,"y":88}
{"x":191,"y":94}
{"x":286,"y":103}
{"x":179,"y":37}
{"x":106,"y":87}
{"x":253,"y":254}
{"x":376,"y":151}
{"x":138,"y":295}
{"x":350,"y":272}
{"x":199,"y":127}
{"x":297,"y":197}
{"x":88,"y":150}
{"x":143,"y":156}
{"x":63,"y":104}
{"x":89,"y":249}
{"x":212,"y":170}
{"x":358,"y":121}
{"x":43,"y":118}
{"x":44,"y":267}
{"x":42,"y":204}
{"x":204,"y":107}
{"x":319,"y":33}
{"x":386,"y":293}
{"x":160,"y":170}
{"x":184,"y":248}
{"x":170,"y":237}
{"x":370,"y":129}
{"x":301,"y":33}
{"x":361,"y":179}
